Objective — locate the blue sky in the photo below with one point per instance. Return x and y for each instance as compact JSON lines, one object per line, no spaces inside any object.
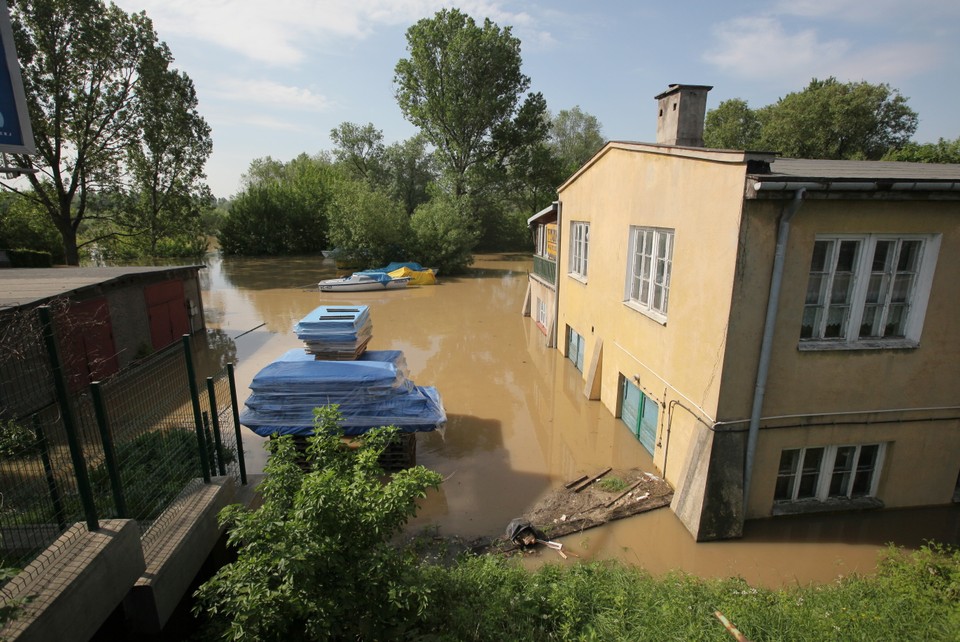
{"x":274,"y":77}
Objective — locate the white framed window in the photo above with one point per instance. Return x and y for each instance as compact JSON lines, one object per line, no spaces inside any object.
{"x":541,"y":312}
{"x":579,"y":249}
{"x":648,"y":270}
{"x":829,"y":472}
{"x":868,"y":290}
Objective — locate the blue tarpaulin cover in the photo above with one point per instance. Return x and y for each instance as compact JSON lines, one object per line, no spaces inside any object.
{"x":372,"y":391}
{"x":416,"y":267}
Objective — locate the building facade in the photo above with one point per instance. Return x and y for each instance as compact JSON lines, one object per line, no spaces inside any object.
{"x":779,"y":334}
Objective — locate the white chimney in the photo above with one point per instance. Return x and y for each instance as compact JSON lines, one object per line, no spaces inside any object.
{"x":682,"y":109}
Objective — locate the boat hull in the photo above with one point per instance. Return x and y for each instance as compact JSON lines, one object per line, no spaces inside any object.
{"x":350,"y":284}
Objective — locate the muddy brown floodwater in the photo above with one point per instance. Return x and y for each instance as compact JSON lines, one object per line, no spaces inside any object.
{"x":519,"y":425}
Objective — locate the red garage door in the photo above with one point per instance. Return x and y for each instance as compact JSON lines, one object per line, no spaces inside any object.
{"x":167,"y":310}
{"x":89,"y":353}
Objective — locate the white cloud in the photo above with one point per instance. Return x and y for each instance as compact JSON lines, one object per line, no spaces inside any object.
{"x":760,"y":47}
{"x":267,"y":92}
{"x":282,"y":31}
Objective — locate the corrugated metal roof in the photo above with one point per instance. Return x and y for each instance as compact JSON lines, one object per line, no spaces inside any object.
{"x":25,"y":286}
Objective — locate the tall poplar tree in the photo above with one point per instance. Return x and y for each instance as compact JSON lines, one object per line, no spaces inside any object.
{"x":462,"y":86}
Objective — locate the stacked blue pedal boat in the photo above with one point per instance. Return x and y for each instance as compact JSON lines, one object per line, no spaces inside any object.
{"x":371,"y":387}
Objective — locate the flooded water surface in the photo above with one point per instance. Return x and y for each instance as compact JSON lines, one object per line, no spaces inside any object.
{"x":519,"y":425}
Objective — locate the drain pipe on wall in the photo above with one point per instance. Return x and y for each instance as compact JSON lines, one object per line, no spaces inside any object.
{"x":766,"y":344}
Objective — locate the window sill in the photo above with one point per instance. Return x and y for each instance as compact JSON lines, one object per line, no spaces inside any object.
{"x":577,"y":277}
{"x":827,"y":346}
{"x":805,"y":506}
{"x":652,"y":315}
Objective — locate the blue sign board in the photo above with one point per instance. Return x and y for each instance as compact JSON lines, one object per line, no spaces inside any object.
{"x":16,"y":134}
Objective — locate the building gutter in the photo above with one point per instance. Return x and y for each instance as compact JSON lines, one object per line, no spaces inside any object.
{"x":766,"y":343}
{"x":857,"y":186}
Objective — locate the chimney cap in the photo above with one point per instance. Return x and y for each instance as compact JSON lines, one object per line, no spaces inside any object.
{"x":676,"y":87}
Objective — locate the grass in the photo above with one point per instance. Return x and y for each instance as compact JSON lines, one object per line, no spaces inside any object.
{"x":913,"y":596}
{"x":612,"y":484}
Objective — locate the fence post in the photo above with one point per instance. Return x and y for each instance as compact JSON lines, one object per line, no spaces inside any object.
{"x":69,"y":420}
{"x":197,"y":418}
{"x":215,"y":419}
{"x":236,"y":423}
{"x":59,"y":512}
{"x":109,"y":454}
{"x":212,"y":457}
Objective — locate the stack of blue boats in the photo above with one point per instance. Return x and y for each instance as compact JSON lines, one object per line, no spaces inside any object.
{"x":371,"y":390}
{"x":336,"y":332}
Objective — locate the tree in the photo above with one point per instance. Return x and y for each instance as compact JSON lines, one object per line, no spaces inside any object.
{"x":360,"y":149}
{"x":732,"y":125}
{"x":314,"y":560}
{"x":446,"y":233}
{"x":82,"y":67}
{"x":409,"y":171}
{"x":462,"y":86}
{"x":828,"y":119}
{"x":26,"y":226}
{"x":166,"y":167}
{"x":942,"y":151}
{"x":835,"y":120}
{"x":575,"y":136}
{"x":370,"y":228}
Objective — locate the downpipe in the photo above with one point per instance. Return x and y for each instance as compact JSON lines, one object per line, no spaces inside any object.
{"x":766,"y":343}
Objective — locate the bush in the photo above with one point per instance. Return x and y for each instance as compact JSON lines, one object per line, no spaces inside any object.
{"x":313,"y":562}
{"x":445,"y":234}
{"x":16,"y":440}
{"x":155,"y":467}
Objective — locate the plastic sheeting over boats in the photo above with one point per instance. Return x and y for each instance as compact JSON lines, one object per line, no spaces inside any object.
{"x":418,"y":274}
{"x":372,"y":391}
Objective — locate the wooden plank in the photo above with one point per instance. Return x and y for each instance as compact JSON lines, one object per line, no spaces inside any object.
{"x":591,"y":480}
{"x":572,"y":483}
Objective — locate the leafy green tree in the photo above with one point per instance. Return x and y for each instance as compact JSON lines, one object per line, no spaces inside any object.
{"x":24,"y":225}
{"x":360,"y":149}
{"x":575,"y":136}
{"x":834,"y":120}
{"x":83,"y":70}
{"x":313,"y":561}
{"x":271,"y":220}
{"x":462,"y":86}
{"x":942,"y":151}
{"x":446,"y":233}
{"x":263,"y":171}
{"x":409,"y":171}
{"x":167,"y":166}
{"x":370,"y":228}
{"x":284,"y":209}
{"x":732,"y":125}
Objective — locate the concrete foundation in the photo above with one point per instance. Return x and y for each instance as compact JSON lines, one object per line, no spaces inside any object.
{"x":76,"y":583}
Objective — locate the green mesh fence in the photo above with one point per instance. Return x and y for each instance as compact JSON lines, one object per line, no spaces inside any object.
{"x":141,"y":447}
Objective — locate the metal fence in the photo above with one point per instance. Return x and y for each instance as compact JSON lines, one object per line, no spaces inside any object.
{"x":127,"y":447}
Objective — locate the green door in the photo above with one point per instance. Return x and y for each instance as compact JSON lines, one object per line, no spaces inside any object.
{"x":640,"y":414}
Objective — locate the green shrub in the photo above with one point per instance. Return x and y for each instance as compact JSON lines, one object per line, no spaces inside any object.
{"x":313,"y":562}
{"x":16,"y":440}
{"x":155,"y":467}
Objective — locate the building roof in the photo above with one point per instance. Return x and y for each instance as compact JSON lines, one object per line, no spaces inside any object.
{"x":796,"y":169}
{"x":28,"y":286}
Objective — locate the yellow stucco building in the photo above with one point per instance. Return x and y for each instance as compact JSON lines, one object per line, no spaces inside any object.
{"x":782,"y":335}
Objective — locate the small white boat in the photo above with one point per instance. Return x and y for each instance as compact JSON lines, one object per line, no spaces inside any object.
{"x":361,"y":282}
